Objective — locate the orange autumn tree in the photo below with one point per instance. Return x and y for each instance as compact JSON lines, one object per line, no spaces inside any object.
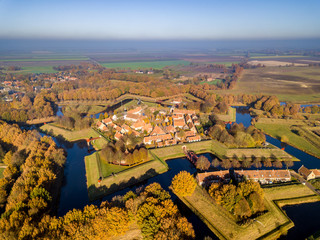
{"x":183,"y":184}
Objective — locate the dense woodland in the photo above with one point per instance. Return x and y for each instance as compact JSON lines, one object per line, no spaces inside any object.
{"x":31,"y":181}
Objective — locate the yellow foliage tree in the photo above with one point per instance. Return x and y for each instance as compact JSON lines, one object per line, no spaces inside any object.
{"x":183,"y":184}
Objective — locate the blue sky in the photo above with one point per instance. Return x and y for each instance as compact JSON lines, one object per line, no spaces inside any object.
{"x":166,"y":19}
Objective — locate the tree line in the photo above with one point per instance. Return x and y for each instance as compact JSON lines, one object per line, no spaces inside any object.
{"x":125,"y":151}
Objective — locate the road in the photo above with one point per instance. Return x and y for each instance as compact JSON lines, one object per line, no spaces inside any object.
{"x":303,"y":181}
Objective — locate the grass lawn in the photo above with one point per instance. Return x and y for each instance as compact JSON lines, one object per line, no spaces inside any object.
{"x":222,"y":223}
{"x":149,"y":64}
{"x":107,"y":169}
{"x":277,"y":130}
{"x":92,"y":169}
{"x":1,"y":172}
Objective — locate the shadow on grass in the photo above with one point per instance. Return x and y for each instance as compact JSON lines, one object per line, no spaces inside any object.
{"x":95,"y":193}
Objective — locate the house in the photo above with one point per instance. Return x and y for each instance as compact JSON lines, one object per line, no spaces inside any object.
{"x":188,"y":119}
{"x":170,"y":129}
{"x":263,"y":176}
{"x":157,"y":131}
{"x":102,"y":126}
{"x":107,"y":121}
{"x":207,"y":178}
{"x":179,"y":123}
{"x":131,"y":117}
{"x":116,"y":127}
{"x":316,"y":173}
{"x":118,"y":135}
{"x":138,"y":125}
{"x":125,"y":129}
{"x":156,"y":138}
{"x":184,"y":111}
{"x":137,"y":111}
{"x":195,"y":138}
{"x":148,"y":128}
{"x":177,"y":116}
{"x":308,"y":174}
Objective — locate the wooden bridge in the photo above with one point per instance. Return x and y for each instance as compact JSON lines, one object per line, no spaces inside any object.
{"x":191,"y":156}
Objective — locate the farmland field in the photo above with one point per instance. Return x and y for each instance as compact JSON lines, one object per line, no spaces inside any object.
{"x":149,"y":64}
{"x":40,"y":63}
{"x":297,"y":84}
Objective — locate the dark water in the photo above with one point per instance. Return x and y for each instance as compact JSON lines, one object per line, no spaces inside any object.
{"x":74,"y":189}
{"x":306,"y":220}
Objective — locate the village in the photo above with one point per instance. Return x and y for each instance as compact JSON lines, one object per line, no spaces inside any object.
{"x":168,"y":128}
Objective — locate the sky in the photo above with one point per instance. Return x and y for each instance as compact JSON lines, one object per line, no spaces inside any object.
{"x":159,"y":19}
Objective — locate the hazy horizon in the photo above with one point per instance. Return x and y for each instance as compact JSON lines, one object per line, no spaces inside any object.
{"x":159,"y":20}
{"x":29,"y":45}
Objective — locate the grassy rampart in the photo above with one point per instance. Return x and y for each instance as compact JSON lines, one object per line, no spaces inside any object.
{"x":267,"y":226}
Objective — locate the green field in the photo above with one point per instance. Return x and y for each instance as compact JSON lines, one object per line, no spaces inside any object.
{"x":268,"y":226}
{"x":277,"y":129}
{"x":150,"y":64}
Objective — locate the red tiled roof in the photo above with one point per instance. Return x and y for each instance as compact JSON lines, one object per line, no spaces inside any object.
{"x":316,"y":172}
{"x":264,"y":174}
{"x":118,"y":135}
{"x":170,"y":128}
{"x":194,"y":138}
{"x":135,"y":111}
{"x":179,"y":123}
{"x":304,"y":171}
{"x":157,"y":131}
{"x":138,"y":125}
{"x":207,"y":176}
{"x":132,"y":117}
{"x":107,"y":121}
